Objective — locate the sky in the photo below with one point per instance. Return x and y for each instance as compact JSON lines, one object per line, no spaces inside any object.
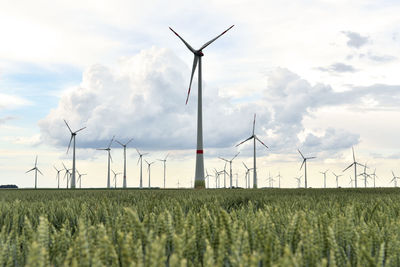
{"x":322,"y":77}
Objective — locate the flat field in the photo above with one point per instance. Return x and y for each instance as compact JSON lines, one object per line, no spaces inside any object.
{"x":265,"y":227}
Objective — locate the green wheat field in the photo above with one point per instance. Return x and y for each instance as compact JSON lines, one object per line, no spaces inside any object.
{"x":264,"y":227}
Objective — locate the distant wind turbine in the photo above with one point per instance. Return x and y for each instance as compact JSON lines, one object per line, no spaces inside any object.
{"x":108,"y":149}
{"x":351,"y":181}
{"x":67,"y":174}
{"x":355,"y":163}
{"x":305,"y":167}
{"x":254,"y":137}
{"x":124,"y":146}
{"x":140,"y":159}
{"x":230,"y":168}
{"x":115,"y":177}
{"x":164,"y":161}
{"x":247,"y":175}
{"x":36,"y":171}
{"x":324,"y":173}
{"x":337,"y":179}
{"x":73,"y":136}
{"x":365,"y":175}
{"x":279,"y":179}
{"x":148,"y":170}
{"x":199,"y":174}
{"x":394,"y":179}
{"x":80,"y":178}
{"x":58,"y":176}
{"x":298,"y":180}
{"x":374,"y":176}
{"x":208,"y":178}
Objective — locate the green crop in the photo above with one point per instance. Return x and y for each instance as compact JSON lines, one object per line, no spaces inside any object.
{"x":272,"y":227}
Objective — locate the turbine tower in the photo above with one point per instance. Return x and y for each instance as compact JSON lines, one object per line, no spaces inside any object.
{"x":254,"y":137}
{"x":148,"y":170}
{"x":108,"y":149}
{"x":199,"y":174}
{"x":230,"y":167}
{"x":124,"y":146}
{"x":36,"y":171}
{"x":140,"y":159}
{"x":73,"y":136}
{"x":337,"y":179}
{"x":58,"y":176}
{"x":324,"y":173}
{"x":164,"y":161}
{"x":305,"y":167}
{"x":355,"y":163}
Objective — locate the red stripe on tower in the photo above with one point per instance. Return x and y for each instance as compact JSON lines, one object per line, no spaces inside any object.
{"x":199,"y":152}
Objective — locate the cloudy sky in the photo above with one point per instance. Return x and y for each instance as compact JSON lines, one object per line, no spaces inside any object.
{"x":322,"y":76}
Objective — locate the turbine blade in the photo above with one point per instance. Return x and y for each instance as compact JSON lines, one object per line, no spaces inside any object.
{"x":235,"y":156}
{"x":212,"y":40}
{"x":129,"y":141}
{"x":39,"y":171}
{"x":112,"y":139}
{"x":80,"y":129}
{"x":119,"y":142}
{"x":109,"y":153}
{"x":245,"y":165}
{"x":36,"y":160}
{"x":187,"y":45}
{"x":69,"y":145}
{"x":301,"y":154}
{"x":101,"y":149}
{"x":261,"y":142}
{"x":245,"y":141}
{"x":312,"y":158}
{"x":138,"y":160}
{"x":68,"y":126}
{"x":64,"y":165}
{"x":254,"y":123}
{"x":348,"y":167}
{"x":223,"y":159}
{"x":30,"y":170}
{"x":166,"y":156}
{"x":354,"y":157}
{"x":196,"y":58}
{"x":393,"y":174}
{"x":304,"y":160}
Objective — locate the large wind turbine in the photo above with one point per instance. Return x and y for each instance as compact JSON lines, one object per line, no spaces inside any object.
{"x":108,"y":149}
{"x":165,"y":165}
{"x":355,"y":163}
{"x":148,"y":170}
{"x":324,"y":173}
{"x":199,"y":174}
{"x":73,"y":136}
{"x":305,"y":167}
{"x":140,"y":159}
{"x":58,"y":176}
{"x":124,"y":146}
{"x":36,"y":171}
{"x":254,"y":137}
{"x":230,"y":167}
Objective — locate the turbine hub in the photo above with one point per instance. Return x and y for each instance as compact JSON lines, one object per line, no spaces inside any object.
{"x":199,"y":53}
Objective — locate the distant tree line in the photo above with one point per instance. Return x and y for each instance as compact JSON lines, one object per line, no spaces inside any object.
{"x":8,"y":186}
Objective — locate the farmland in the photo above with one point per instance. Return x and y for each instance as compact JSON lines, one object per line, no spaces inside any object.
{"x":264,"y":227}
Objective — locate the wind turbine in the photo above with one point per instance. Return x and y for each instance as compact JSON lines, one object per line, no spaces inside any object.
{"x":271,"y":180}
{"x":124,"y":146}
{"x":247,"y":175}
{"x":279,"y":179}
{"x":108,"y":149}
{"x":365,"y":175}
{"x":298,"y":180}
{"x":58,"y":176}
{"x":394,"y":179}
{"x":208,"y":179}
{"x":80,"y":178}
{"x":324,"y":173}
{"x":355,"y":163}
{"x":73,"y":136}
{"x":305,"y":167}
{"x":374,"y":176}
{"x":337,"y":178}
{"x":230,"y":168}
{"x":36,"y":171}
{"x":225,"y":173}
{"x":148,"y":170}
{"x":254,"y":137}
{"x":140,"y":159}
{"x":165,"y":165}
{"x":115,"y":177}
{"x":199,"y":174}
{"x":67,"y":174}
{"x":351,"y":181}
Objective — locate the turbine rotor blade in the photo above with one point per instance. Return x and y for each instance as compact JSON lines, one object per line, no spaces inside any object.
{"x":69,"y":145}
{"x":119,"y":142}
{"x":348,"y":167}
{"x":80,"y":129}
{"x":261,"y":142}
{"x":187,"y":45}
{"x":304,"y":160}
{"x":166,"y":156}
{"x":254,"y":123}
{"x":245,"y":165}
{"x":129,"y":141}
{"x":223,"y":159}
{"x":68,"y":126}
{"x":36,"y":161}
{"x":212,"y":40}
{"x":39,"y":171}
{"x":245,"y":141}
{"x":112,"y":139}
{"x":301,"y":154}
{"x":30,"y":170}
{"x":196,"y":58}
{"x":354,"y":157}
{"x":235,"y":156}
